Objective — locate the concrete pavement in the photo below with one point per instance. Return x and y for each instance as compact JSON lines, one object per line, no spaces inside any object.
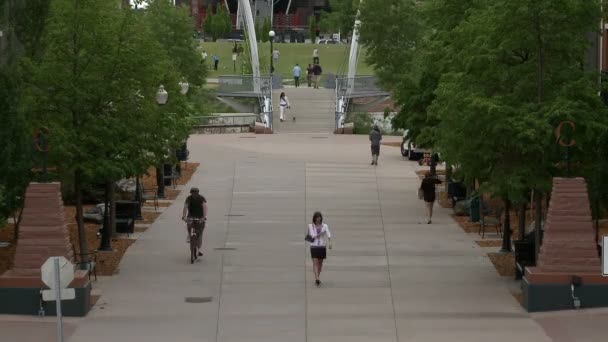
{"x":390,"y":277}
{"x":314,"y":110}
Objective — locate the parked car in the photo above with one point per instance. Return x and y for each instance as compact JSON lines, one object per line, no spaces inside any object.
{"x":328,"y":41}
{"x":410,"y":150}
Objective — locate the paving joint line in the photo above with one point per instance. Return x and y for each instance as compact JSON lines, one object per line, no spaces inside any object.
{"x":388,"y":265}
{"x":305,"y":255}
{"x":219,"y":297}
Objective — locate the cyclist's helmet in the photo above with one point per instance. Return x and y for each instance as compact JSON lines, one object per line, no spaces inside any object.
{"x":194,"y":190}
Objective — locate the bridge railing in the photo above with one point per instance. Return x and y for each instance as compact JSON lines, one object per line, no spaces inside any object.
{"x":358,"y":86}
{"x":242,"y":85}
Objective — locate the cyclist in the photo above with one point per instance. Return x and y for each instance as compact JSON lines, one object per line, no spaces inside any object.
{"x":195,"y":207}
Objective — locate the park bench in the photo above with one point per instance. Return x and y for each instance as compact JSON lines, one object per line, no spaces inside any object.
{"x":126,"y":214}
{"x":87,"y":262}
{"x":149,"y":195}
{"x":490,"y":217}
{"x":525,"y":254}
{"x":457,"y":191}
{"x":170,"y":176}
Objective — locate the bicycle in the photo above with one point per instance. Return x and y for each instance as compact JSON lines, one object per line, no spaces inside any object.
{"x":196,"y":233}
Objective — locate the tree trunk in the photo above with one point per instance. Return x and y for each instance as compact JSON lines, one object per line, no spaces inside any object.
{"x":506,"y":234}
{"x":82,"y":239}
{"x":17,"y":221}
{"x":521,"y":221}
{"x":106,"y":232}
{"x":112,"y":201}
{"x":538,"y":213}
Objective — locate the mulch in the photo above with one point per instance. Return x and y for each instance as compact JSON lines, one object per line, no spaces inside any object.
{"x":489,"y":243}
{"x":504,"y":263}
{"x":392,"y":144}
{"x":187,"y":170}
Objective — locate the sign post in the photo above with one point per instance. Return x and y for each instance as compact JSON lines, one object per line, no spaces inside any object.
{"x":605,"y":256}
{"x":57,"y":273}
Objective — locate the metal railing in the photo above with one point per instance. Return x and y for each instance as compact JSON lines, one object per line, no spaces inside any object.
{"x":358,"y":86}
{"x":244,"y":85}
{"x":225,"y":120}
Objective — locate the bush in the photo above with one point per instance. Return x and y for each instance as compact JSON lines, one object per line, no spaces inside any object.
{"x":363,"y":122}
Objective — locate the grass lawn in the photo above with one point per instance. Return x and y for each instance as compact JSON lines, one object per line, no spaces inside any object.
{"x":333,"y":58}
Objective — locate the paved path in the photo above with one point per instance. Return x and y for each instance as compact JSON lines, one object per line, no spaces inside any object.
{"x":388,"y":278}
{"x":314,"y":110}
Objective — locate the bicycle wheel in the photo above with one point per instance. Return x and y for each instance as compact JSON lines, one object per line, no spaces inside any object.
{"x":193,"y":240}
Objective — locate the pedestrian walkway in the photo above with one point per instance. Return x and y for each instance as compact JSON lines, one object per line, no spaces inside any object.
{"x":390,"y":277}
{"x":314,"y":110}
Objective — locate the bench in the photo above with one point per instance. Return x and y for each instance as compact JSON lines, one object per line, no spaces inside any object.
{"x":457,"y":191}
{"x":525,"y":254}
{"x":87,"y":262}
{"x":490,"y":217}
{"x":170,"y":176}
{"x":126,"y":214}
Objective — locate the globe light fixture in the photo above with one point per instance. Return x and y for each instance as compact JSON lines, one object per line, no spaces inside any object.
{"x":162,"y":96}
{"x":184,"y":87}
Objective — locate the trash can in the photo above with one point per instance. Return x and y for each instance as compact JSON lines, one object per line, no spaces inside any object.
{"x":474,"y":209}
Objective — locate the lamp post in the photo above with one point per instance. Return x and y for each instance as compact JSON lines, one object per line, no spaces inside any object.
{"x":161,"y":98}
{"x":271,"y":35}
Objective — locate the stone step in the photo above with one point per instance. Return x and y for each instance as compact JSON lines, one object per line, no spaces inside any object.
{"x":570,"y":269}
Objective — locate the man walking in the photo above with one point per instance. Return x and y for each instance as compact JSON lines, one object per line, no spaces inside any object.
{"x":216,"y":61}
{"x":275,"y":56}
{"x":317,"y":71}
{"x":309,"y":75}
{"x":315,"y":56}
{"x":296,"y":74}
{"x":375,"y":137}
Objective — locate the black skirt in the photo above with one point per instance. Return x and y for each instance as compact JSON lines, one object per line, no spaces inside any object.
{"x":318,"y":252}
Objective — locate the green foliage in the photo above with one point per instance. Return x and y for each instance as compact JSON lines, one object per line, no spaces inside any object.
{"x":15,"y":151}
{"x":208,"y":26}
{"x":266,"y":27}
{"x":486,"y":83}
{"x":172,"y":27}
{"x":312,"y":28}
{"x":363,"y":123}
{"x":341,"y":17}
{"x":222,"y":25}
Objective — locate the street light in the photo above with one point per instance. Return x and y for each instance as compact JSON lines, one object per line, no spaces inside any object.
{"x":271,"y":35}
{"x":184,"y":86}
{"x":161,"y":98}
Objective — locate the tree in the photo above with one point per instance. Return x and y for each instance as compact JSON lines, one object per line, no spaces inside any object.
{"x":265,"y":29}
{"x":219,"y":24}
{"x":208,"y":25}
{"x":341,"y":16}
{"x":172,"y":26}
{"x":95,"y":89}
{"x":312,"y":28}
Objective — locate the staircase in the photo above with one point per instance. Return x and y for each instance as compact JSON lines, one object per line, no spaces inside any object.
{"x":314,"y":110}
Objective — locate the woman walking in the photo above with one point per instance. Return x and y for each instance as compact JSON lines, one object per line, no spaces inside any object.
{"x":283,"y":103}
{"x":321,"y":239}
{"x":428,"y":193}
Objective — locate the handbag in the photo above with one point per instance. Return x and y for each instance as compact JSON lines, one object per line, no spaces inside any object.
{"x":309,"y":237}
{"x":420,"y":194}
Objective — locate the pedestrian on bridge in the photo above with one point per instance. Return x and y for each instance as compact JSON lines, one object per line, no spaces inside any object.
{"x":284,"y":103}
{"x":319,"y":237}
{"x":309,"y":75}
{"x":296,"y":74}
{"x":375,"y":137}
{"x":317,"y":71}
